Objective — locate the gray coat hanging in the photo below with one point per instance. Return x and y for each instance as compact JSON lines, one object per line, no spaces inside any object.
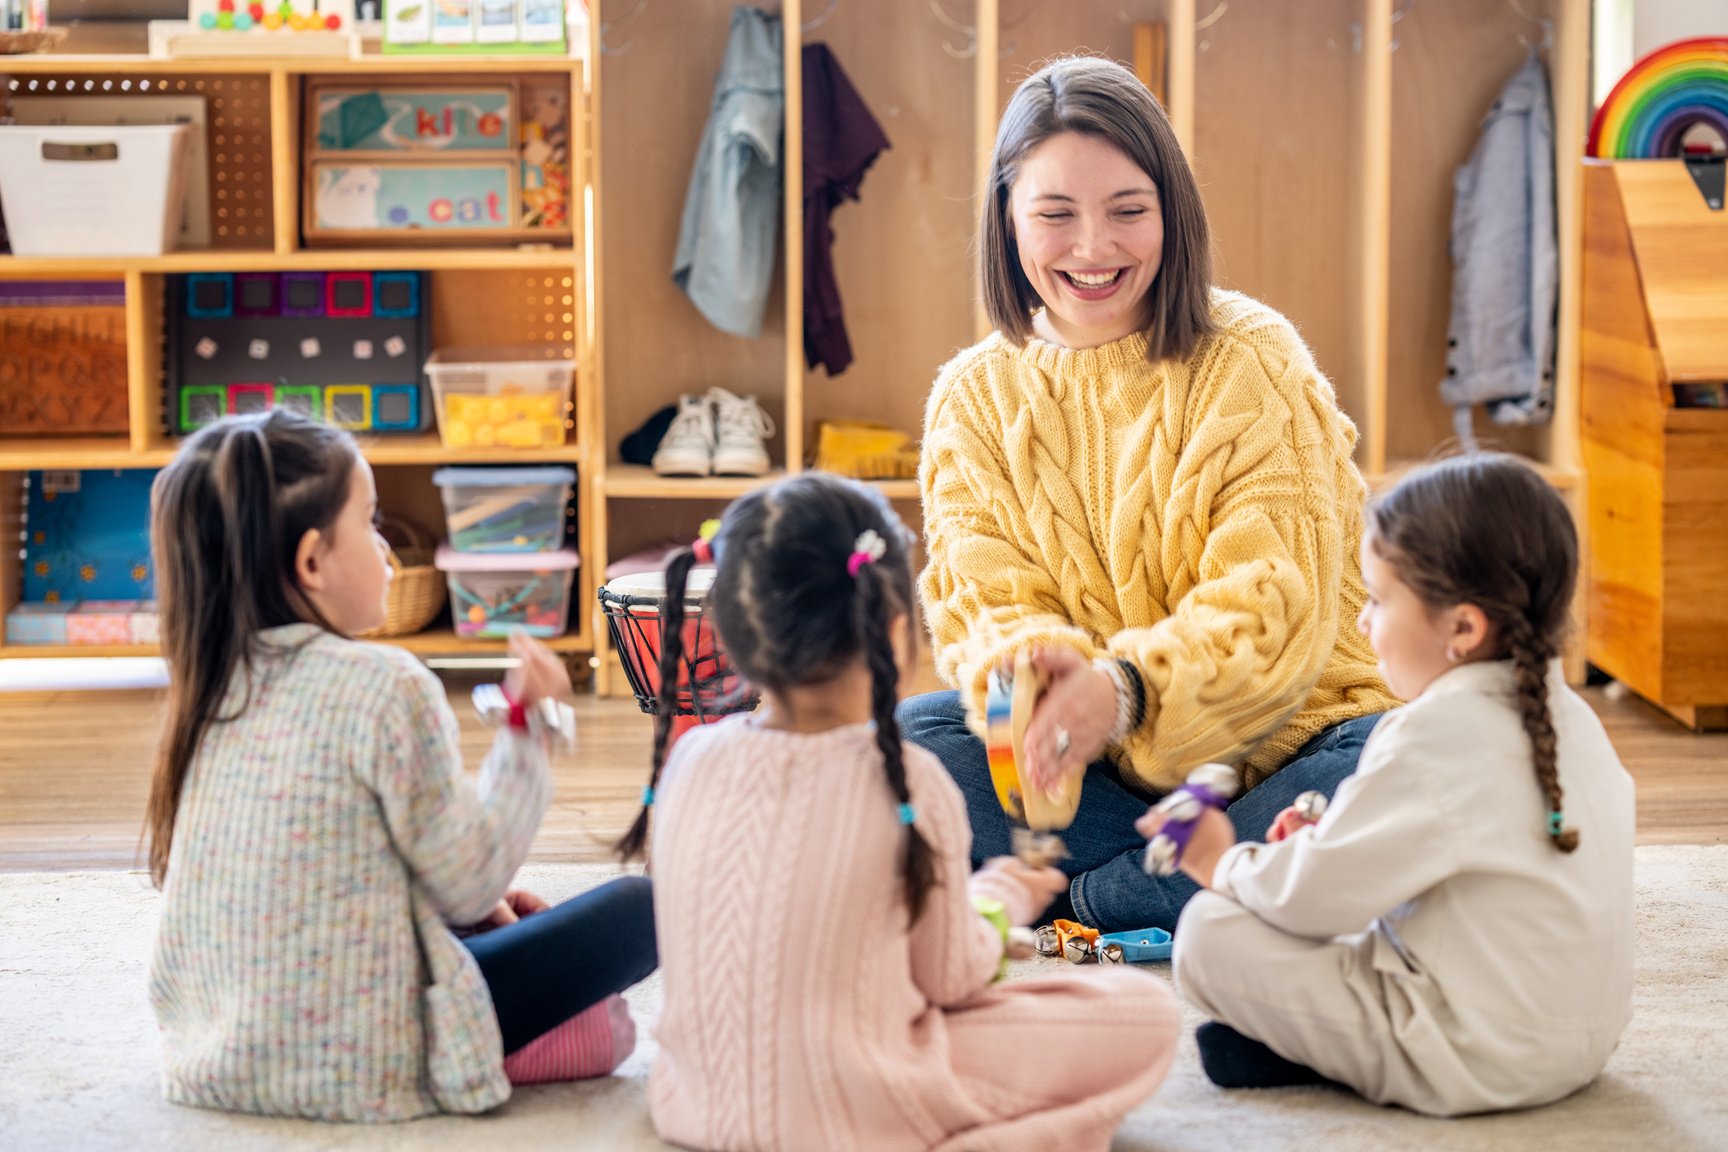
{"x":1500,"y":343}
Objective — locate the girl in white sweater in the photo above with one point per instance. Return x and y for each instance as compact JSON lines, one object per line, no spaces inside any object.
{"x":316,"y":838}
{"x":1455,"y":935}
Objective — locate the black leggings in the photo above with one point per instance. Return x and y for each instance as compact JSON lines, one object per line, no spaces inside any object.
{"x":548,"y":967}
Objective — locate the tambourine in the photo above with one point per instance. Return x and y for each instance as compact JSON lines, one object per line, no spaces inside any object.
{"x":1037,"y":816}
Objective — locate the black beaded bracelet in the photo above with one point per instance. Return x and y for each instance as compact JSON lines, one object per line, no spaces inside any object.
{"x":1131,"y":676}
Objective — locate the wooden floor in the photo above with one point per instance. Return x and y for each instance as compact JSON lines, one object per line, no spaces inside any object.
{"x":74,"y":771}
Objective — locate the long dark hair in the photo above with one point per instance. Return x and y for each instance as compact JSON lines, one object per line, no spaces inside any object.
{"x":789,"y":612}
{"x":1102,"y":99}
{"x":226,"y":517}
{"x":1485,"y":529}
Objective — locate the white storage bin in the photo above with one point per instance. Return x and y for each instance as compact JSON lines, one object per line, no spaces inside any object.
{"x":513,"y":397}
{"x":83,"y":190}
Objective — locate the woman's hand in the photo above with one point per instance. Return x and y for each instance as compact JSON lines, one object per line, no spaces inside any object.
{"x":1213,"y":835}
{"x":539,"y":673}
{"x":1023,"y":890}
{"x":1078,"y":701}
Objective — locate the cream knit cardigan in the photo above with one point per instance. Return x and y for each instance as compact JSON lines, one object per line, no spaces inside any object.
{"x":325,"y":837}
{"x":1198,"y":518}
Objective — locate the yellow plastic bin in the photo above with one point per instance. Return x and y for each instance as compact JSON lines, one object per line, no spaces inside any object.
{"x":517,"y":397}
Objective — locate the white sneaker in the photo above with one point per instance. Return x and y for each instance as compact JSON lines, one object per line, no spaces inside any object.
{"x":740,"y":427}
{"x":687,"y":449}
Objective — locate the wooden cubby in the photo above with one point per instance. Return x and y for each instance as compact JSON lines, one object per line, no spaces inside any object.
{"x":1654,"y":302}
{"x":479,"y":295}
{"x":1325,"y":134}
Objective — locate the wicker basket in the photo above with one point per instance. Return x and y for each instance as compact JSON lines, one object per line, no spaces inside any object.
{"x":417,"y":590}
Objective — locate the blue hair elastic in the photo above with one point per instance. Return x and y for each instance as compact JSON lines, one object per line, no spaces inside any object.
{"x":648,"y":796}
{"x":1556,"y":822}
{"x":906,"y":813}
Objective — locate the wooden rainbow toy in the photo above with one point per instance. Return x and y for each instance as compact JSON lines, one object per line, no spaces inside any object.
{"x":1661,"y":98}
{"x":1008,"y":709}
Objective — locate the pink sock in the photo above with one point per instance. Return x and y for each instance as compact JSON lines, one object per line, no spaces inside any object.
{"x":591,"y":1043}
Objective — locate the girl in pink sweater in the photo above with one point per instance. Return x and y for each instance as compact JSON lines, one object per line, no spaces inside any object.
{"x":829,"y":982}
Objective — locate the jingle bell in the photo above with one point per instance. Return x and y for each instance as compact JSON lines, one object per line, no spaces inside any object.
{"x":1310,"y":806}
{"x":1160,"y":856}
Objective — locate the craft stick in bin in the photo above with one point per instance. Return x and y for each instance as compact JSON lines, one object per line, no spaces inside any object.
{"x":505,"y":509}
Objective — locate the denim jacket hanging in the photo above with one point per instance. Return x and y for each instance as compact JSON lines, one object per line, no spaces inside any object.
{"x":725,"y":257}
{"x":1500,"y":343}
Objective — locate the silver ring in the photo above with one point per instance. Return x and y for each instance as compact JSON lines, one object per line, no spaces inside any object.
{"x":1063,"y":740}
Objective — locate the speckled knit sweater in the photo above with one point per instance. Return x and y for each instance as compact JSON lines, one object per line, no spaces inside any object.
{"x":324,"y":839}
{"x":1198,"y":518}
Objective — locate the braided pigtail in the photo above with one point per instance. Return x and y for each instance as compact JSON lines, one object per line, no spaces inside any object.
{"x":875,"y":609}
{"x":632,"y":843}
{"x":1530,"y":672}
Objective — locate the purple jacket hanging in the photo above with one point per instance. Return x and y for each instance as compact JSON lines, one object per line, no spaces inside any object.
{"x":841,"y":141}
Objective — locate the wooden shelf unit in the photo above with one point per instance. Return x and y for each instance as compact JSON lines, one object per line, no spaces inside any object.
{"x":1325,"y":134}
{"x":1655,"y":295}
{"x":479,"y":295}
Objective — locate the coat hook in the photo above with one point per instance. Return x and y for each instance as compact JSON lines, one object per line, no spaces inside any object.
{"x":1207,"y":21}
{"x":810,"y":26}
{"x":966,"y":30}
{"x":606,"y":26}
{"x":1543,"y":22}
{"x":1398,"y":14}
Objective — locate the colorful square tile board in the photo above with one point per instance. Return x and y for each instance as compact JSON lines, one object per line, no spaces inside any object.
{"x":87,"y":536}
{"x":343,"y":347}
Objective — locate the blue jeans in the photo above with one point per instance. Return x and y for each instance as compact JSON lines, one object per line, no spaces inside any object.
{"x":546,"y":968}
{"x":1110,"y":889}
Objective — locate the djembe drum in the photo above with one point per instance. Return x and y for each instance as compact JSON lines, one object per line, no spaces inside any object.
{"x":707,"y":686}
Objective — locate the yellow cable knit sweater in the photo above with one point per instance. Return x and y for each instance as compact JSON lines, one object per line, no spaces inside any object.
{"x":1200,"y":519}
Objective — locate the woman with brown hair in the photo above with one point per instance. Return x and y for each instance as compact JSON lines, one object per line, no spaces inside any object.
{"x":1145,"y":481}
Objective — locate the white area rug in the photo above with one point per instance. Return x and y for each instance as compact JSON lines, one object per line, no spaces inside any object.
{"x":78,"y":1063}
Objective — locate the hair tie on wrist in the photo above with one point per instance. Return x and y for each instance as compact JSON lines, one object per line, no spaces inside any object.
{"x":907,"y":813}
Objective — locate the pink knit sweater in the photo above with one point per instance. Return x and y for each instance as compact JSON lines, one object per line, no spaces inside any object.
{"x":803,"y":1013}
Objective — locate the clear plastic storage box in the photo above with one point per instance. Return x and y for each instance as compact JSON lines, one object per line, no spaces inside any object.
{"x":85,"y":190}
{"x":494,"y":594}
{"x":505,"y":509}
{"x":514,"y":397}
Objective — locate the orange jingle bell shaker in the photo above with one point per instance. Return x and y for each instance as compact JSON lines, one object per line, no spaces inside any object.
{"x":1037,"y":816}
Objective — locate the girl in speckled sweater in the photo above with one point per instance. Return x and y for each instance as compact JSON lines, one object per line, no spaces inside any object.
{"x":315,"y":837}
